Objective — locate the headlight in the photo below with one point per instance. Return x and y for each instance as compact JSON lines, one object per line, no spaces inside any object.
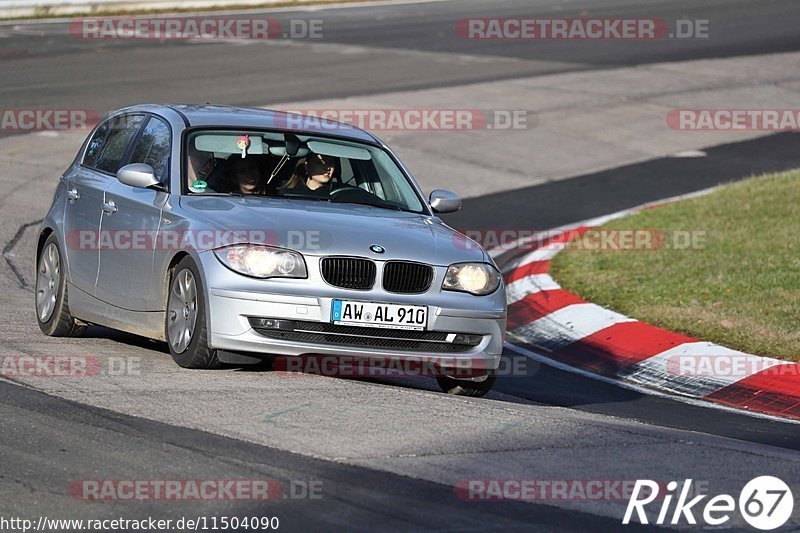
{"x":475,"y":278}
{"x":261,"y":261}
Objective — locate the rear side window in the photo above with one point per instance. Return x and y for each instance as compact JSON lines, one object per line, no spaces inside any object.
{"x":96,"y":145}
{"x":153,"y":146}
{"x":121,"y":131}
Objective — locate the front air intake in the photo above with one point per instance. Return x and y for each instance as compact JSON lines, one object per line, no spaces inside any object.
{"x":348,"y":272}
{"x":407,"y":278}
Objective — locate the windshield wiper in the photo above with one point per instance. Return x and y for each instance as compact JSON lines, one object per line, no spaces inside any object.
{"x":301,"y":197}
{"x":379,"y":206}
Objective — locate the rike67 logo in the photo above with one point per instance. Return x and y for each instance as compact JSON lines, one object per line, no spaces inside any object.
{"x":765,"y":503}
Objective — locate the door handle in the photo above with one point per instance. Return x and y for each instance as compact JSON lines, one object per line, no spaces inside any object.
{"x":73,"y":194}
{"x":109,"y":207}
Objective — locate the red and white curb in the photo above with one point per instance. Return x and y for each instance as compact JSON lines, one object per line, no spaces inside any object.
{"x":549,"y":320}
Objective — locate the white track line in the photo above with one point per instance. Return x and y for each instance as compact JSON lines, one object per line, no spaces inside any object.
{"x":570,"y":324}
{"x":518,"y":290}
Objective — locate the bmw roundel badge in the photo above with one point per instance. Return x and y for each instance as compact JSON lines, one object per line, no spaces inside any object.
{"x":377,"y":248}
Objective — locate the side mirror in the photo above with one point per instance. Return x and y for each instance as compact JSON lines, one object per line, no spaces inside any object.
{"x":444,"y":201}
{"x":138,"y":175}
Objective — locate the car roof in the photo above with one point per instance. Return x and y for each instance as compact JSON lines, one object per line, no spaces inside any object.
{"x":244,"y":117}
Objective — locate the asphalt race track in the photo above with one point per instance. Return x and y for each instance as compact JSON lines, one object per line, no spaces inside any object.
{"x":387,"y":451}
{"x":393,"y":47}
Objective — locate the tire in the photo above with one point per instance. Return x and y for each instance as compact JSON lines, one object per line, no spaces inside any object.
{"x":465,"y":387}
{"x":51,"y":298}
{"x":185,"y":322}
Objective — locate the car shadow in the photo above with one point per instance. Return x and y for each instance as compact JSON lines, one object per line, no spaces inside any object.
{"x":542,"y":385}
{"x":520,"y":379}
{"x":102,"y":332}
{"x":137,"y":341}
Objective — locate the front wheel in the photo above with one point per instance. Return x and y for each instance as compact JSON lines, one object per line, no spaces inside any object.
{"x":467,"y":387}
{"x":52,"y":305}
{"x":185,"y":326}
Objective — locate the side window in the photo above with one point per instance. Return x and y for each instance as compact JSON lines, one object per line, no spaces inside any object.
{"x":96,"y":145}
{"x":121,"y":131}
{"x":153,"y":146}
{"x":347,"y":174}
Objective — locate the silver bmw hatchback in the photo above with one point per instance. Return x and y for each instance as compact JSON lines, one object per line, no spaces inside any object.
{"x":236,"y":235}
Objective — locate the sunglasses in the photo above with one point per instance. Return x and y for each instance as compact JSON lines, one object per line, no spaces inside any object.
{"x":317,"y":168}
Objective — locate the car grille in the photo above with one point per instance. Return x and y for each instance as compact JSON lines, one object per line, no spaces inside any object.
{"x":389,"y":339}
{"x":407,"y":278}
{"x":348,"y":272}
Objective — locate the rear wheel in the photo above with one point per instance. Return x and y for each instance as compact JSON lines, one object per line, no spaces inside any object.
{"x":467,"y":387}
{"x":52,"y":305}
{"x":185,"y":326}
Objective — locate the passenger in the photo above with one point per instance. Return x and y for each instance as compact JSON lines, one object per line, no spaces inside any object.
{"x":201,"y":165}
{"x":314,"y":173}
{"x":246,"y":177}
{"x":237,"y":176}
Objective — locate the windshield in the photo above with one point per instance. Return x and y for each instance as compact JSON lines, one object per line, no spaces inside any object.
{"x":277,"y":165}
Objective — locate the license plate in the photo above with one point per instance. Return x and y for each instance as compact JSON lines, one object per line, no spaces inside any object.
{"x":375,"y":315}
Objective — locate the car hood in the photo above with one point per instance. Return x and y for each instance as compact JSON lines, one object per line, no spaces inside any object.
{"x":323,"y":228}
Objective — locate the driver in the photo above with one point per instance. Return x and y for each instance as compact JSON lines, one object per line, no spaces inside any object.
{"x":314,"y":173}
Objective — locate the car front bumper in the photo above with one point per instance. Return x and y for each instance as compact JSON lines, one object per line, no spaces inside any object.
{"x":233,"y":300}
